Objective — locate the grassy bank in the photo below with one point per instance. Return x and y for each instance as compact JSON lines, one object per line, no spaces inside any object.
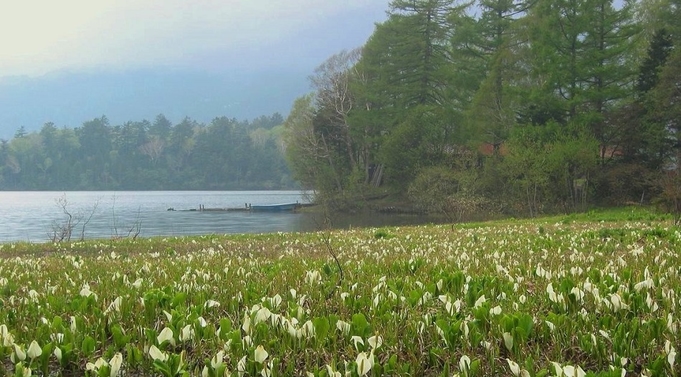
{"x":552,"y":296}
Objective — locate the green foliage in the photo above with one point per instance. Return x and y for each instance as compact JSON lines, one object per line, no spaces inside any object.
{"x":666,"y":99}
{"x":383,"y":234}
{"x":224,"y":154}
{"x":532,"y":104}
{"x":302,"y":145}
{"x":445,"y":191}
{"x":660,"y":46}
{"x":550,"y":165}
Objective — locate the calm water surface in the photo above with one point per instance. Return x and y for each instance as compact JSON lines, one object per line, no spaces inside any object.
{"x":31,"y":216}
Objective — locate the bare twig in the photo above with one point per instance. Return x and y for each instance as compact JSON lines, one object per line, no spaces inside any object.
{"x":92,"y":212}
{"x":63,"y":230}
{"x":133,"y":231}
{"x":136,"y":226}
{"x":114,"y":226}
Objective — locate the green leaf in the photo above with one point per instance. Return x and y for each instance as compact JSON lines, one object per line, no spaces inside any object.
{"x":179,"y":300}
{"x":104,"y":371}
{"x":225,"y":328}
{"x":475,"y":367}
{"x":508,"y":322}
{"x":45,"y":357}
{"x":19,"y":369}
{"x":163,"y":368}
{"x":529,"y":365}
{"x":119,"y":338}
{"x":321,"y":327}
{"x":359,"y":326}
{"x":58,"y":324}
{"x":524,"y":327}
{"x":134,"y":355}
{"x":443,"y":325}
{"x":88,"y":346}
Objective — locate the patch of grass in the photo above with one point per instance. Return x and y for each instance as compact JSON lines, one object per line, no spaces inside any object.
{"x":383,"y":233}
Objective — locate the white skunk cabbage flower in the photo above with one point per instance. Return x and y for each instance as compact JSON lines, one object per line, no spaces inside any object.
{"x":260,"y":354}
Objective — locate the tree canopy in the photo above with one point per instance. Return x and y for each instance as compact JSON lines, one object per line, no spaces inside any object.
{"x":523,"y":106}
{"x":141,"y":155}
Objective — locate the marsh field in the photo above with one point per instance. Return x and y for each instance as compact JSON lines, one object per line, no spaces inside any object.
{"x":580,"y":295}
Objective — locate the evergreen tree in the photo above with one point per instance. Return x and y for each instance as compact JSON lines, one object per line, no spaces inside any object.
{"x":408,"y":68}
{"x":658,"y":52}
{"x":421,"y":56}
{"x":643,"y":140}
{"x":498,"y":44}
{"x":666,"y":107}
{"x":95,"y":145}
{"x":609,"y":67}
{"x":581,"y":57}
{"x":161,"y":128}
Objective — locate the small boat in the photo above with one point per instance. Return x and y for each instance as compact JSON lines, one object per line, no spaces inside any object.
{"x":286,"y":207}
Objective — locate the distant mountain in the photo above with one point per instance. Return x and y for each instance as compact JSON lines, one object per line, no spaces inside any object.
{"x":69,"y":98}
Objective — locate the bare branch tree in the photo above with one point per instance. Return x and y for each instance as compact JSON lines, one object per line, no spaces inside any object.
{"x":134,"y":229}
{"x":136,"y":226}
{"x":153,"y":149}
{"x":63,"y":230}
{"x":332,"y":80}
{"x":304,"y":148}
{"x":87,"y":221}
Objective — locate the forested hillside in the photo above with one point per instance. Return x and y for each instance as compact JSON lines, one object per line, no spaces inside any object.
{"x":225,"y":154}
{"x":499,"y":105}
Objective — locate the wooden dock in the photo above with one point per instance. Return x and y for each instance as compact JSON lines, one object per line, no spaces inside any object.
{"x":286,"y":207}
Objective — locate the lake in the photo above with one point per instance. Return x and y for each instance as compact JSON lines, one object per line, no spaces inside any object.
{"x":32,"y":216}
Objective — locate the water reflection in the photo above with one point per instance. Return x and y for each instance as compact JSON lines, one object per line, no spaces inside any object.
{"x":195,"y":222}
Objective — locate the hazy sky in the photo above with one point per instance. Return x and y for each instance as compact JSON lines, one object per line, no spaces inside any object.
{"x":41,"y":36}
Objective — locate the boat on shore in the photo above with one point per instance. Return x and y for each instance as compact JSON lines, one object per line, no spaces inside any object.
{"x":285,"y":207}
